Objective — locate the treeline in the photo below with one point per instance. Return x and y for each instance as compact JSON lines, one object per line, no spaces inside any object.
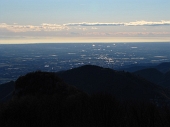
{"x":96,"y":110}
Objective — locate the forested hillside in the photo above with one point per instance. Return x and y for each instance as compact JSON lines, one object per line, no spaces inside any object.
{"x":86,"y":96}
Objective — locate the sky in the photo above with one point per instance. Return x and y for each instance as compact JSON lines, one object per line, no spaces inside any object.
{"x":47,"y":21}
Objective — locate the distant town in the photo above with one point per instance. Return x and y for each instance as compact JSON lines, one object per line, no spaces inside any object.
{"x":17,"y":60}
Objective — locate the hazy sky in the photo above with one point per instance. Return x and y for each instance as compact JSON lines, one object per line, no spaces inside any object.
{"x":24,"y":21}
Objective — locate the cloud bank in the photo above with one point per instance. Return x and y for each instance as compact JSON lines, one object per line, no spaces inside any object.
{"x":29,"y":28}
{"x":137,"y":23}
{"x":65,"y":27}
{"x":86,"y":30}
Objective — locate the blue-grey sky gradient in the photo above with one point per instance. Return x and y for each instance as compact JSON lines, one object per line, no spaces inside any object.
{"x":52,"y":20}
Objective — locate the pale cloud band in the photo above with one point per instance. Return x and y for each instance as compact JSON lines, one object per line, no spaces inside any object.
{"x":55,"y":27}
{"x":137,"y":23}
{"x":27,"y":28}
{"x":83,"y":31}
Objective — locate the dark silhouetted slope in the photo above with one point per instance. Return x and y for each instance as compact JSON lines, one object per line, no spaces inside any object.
{"x":133,"y":68}
{"x":123,"y":85}
{"x":163,"y":67}
{"x":151,"y":74}
{"x":166,"y":81}
{"x":6,"y":91}
{"x":42,"y":83}
{"x":155,"y":76}
{"x":42,"y":99}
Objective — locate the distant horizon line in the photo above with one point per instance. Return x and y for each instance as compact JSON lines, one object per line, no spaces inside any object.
{"x":77,"y":43}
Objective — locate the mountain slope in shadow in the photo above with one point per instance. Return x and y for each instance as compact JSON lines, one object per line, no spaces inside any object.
{"x":42,"y":99}
{"x":162,"y":67}
{"x":43,"y":83}
{"x":6,"y":91}
{"x":93,"y":79}
{"x":122,"y":85}
{"x":151,"y":74}
{"x":155,"y":76}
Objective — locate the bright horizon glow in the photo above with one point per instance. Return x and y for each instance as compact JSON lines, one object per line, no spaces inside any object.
{"x":85,"y":40}
{"x":57,"y":21}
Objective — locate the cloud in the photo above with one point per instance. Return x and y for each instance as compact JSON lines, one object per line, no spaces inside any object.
{"x":136,"y":23}
{"x":29,"y":28}
{"x":94,"y":24}
{"x":53,"y":27}
{"x":94,"y":28}
{"x":142,"y":33}
{"x":146,"y":23}
{"x":10,"y":31}
{"x":80,"y":28}
{"x":126,"y":34}
{"x":46,"y":27}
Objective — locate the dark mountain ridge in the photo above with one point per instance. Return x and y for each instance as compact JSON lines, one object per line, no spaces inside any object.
{"x":155,"y":76}
{"x":151,"y":74}
{"x":43,"y":83}
{"x":93,"y":79}
{"x":162,"y":67}
{"x":6,"y":91}
{"x":122,"y":85}
{"x":44,"y":99}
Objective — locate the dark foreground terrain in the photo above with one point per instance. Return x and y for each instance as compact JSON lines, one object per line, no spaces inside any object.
{"x":87,"y":96}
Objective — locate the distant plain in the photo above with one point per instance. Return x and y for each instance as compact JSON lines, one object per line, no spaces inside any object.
{"x":16,"y":60}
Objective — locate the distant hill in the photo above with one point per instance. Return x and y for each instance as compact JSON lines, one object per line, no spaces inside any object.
{"x":123,"y":85}
{"x":162,"y":67}
{"x":42,"y":99}
{"x":43,"y":83}
{"x":155,"y":76}
{"x":151,"y":74}
{"x":6,"y":91}
{"x":166,"y":81}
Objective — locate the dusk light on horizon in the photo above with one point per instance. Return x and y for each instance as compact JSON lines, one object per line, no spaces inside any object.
{"x":42,"y":21}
